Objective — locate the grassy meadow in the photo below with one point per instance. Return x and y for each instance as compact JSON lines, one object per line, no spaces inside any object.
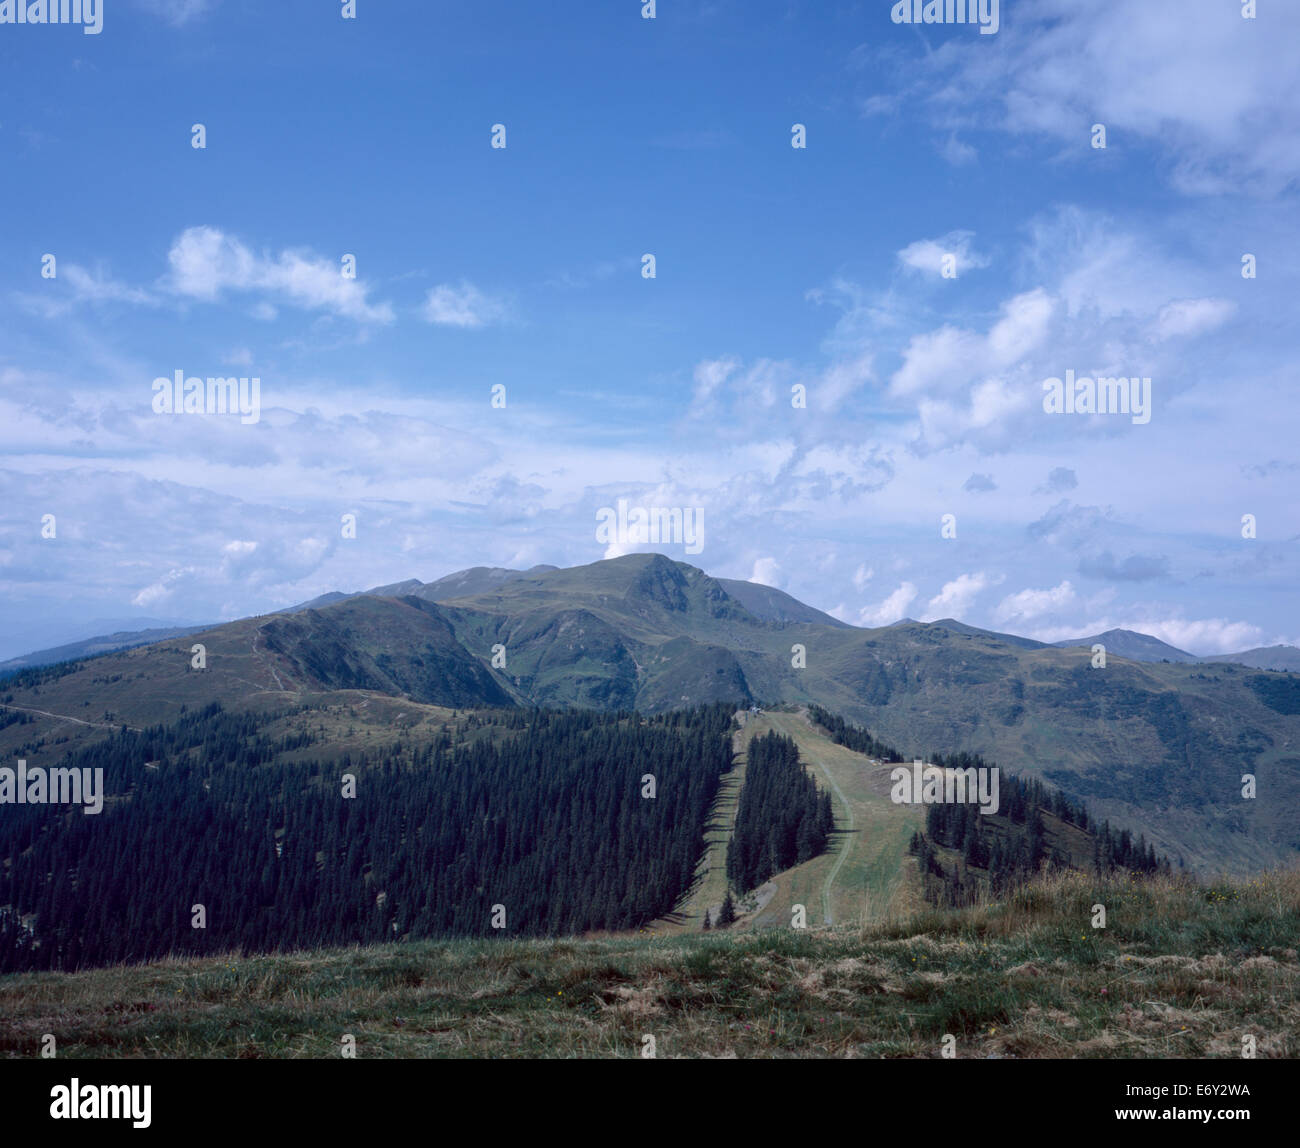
{"x":1181,"y":970}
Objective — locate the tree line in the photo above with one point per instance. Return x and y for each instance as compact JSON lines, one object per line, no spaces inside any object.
{"x":998,"y":852}
{"x":782,"y":818}
{"x":541,"y":822}
{"x":851,"y":736}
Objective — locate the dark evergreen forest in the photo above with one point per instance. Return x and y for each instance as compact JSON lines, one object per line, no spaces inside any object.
{"x":996,"y":853}
{"x":782,"y":818}
{"x":540,"y":812}
{"x":1002,"y":851}
{"x":851,"y":736}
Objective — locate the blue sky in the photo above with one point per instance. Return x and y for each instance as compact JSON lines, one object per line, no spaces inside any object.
{"x":775,"y":267}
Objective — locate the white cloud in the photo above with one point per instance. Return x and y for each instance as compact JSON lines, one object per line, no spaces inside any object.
{"x":463,"y":306}
{"x":710,"y":375}
{"x":163,"y":588}
{"x":745,"y":393}
{"x":948,"y":359}
{"x":928,"y":255}
{"x":957,"y":596}
{"x":992,"y":407}
{"x":891,"y":610}
{"x":1021,"y":329}
{"x":206,"y":263}
{"x":839,"y":381}
{"x":1030,"y":604}
{"x":1189,"y":76}
{"x":1192,"y":317}
{"x":937,"y":360}
{"x":99,"y":289}
{"x":1203,"y":636}
{"x":1200,"y":636}
{"x":766,"y":572}
{"x":958,"y":153}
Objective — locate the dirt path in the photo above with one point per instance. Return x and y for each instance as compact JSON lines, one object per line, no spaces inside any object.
{"x":865,"y":870}
{"x":261,"y":658}
{"x":710,"y":884}
{"x":69,"y":717}
{"x":844,"y":843}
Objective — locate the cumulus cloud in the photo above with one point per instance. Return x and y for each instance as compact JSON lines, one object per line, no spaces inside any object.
{"x":163,"y":588}
{"x":1200,"y":636}
{"x":1029,"y":605}
{"x":949,"y":358}
{"x":928,"y":255}
{"x":957,"y":596}
{"x":891,"y":610}
{"x":1204,"y":635}
{"x":1195,"y":81}
{"x":206,"y":263}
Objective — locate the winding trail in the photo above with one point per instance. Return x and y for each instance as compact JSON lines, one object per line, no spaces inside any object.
{"x":69,"y":717}
{"x":845,"y":838}
{"x":260,"y":657}
{"x":843,"y":851}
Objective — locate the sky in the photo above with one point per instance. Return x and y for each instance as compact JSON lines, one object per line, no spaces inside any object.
{"x":838,"y":365}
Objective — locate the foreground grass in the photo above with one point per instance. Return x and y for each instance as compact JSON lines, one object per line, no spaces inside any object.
{"x":1180,"y":971}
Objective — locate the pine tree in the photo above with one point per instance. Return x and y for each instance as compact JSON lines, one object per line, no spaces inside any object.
{"x":727,"y":914}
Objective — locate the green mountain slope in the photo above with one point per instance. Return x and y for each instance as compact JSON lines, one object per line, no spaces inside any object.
{"x":1160,"y":748}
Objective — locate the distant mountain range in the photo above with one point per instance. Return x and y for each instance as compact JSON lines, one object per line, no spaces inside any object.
{"x":764,"y":602}
{"x":1281,"y":658}
{"x":92,"y":647}
{"x":1159,"y":746}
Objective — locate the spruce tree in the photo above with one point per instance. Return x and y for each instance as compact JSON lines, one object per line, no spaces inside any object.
{"x":727,"y":914}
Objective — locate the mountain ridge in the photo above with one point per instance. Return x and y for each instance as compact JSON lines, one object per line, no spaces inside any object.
{"x":766,"y":602}
{"x":1157,"y":746}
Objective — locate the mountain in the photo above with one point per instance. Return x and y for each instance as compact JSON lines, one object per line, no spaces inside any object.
{"x":1158,"y":747}
{"x":92,"y":647}
{"x":772,"y":605}
{"x":961,"y":628}
{"x":475,"y":580}
{"x":1264,"y":658}
{"x":1130,"y":644}
{"x":403,"y":647}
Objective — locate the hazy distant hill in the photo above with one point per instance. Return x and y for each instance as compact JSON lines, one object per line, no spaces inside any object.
{"x":92,"y":647}
{"x":476,"y":580}
{"x":774,"y":605}
{"x":961,"y":628}
{"x":1160,"y":747}
{"x":1263,"y":658}
{"x":1131,"y":644}
{"x":1144,"y":648}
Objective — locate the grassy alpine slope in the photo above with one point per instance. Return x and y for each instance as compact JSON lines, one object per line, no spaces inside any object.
{"x":1160,"y":748}
{"x":1181,"y":970}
